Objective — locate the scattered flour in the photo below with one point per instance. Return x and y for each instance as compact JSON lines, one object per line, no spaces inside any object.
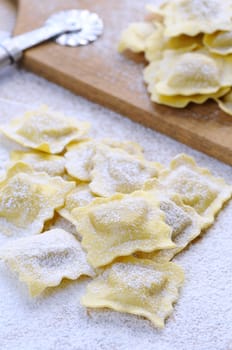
{"x":202,"y":319}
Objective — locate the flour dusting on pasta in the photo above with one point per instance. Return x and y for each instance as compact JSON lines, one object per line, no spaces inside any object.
{"x":194,"y":39}
{"x":100,"y":209}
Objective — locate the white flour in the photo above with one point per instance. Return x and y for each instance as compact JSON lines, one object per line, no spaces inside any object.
{"x":202,"y":318}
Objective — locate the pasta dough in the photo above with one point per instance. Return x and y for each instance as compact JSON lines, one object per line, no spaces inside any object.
{"x":80,"y":196}
{"x":135,"y":36}
{"x":44,"y":260}
{"x":226,"y":103}
{"x":151,"y":77}
{"x":28,"y":199}
{"x":193,"y":39}
{"x":148,"y":37}
{"x":79,"y":158}
{"x":116,"y":171}
{"x":192,"y":17}
{"x":186,"y":224}
{"x":109,"y":168}
{"x":141,"y":225}
{"x":45,"y":131}
{"x":192,"y":73}
{"x":157,"y":43}
{"x":197,"y":187}
{"x":122,"y":225}
{"x":53,"y":165}
{"x":140,"y":287}
{"x":219,"y":42}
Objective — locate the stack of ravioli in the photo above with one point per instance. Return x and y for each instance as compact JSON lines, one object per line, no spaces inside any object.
{"x":73,"y":206}
{"x":188,"y":44}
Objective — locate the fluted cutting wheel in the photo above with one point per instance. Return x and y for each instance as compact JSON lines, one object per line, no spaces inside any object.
{"x":89,"y":27}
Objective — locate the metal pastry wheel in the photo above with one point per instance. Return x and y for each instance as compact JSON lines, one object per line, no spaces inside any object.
{"x":67,"y":28}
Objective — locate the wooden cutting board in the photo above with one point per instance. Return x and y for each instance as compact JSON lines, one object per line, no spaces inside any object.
{"x":102,"y":75}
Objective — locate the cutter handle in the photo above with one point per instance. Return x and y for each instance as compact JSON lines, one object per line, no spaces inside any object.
{"x":11,"y":49}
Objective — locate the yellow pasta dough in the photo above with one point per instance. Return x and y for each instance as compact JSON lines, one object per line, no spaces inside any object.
{"x":188,"y":44}
{"x":192,"y":17}
{"x":51,"y":164}
{"x":151,"y":77}
{"x":122,"y":225}
{"x":135,"y":36}
{"x":44,"y":260}
{"x":28,"y":199}
{"x":130,"y":147}
{"x":139,"y":287}
{"x":117,"y":171}
{"x":226,"y":103}
{"x":148,"y":37}
{"x":156,"y":44}
{"x":219,"y":42}
{"x":79,"y":158}
{"x":45,"y":131}
{"x":197,"y":72}
{"x":80,"y":196}
{"x":196,"y":186}
{"x":186,"y":224}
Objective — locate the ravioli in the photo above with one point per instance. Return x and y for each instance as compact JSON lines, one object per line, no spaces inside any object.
{"x":79,"y":158}
{"x":134,"y":37}
{"x":186,"y":224}
{"x":197,"y":187}
{"x":193,"y":73}
{"x":139,"y":287}
{"x":148,"y":37}
{"x":157,"y":43}
{"x":116,"y":171}
{"x":193,"y":39}
{"x":46,"y":131}
{"x":219,"y":42}
{"x":121,"y":225}
{"x":53,"y":165}
{"x":80,"y":196}
{"x":42,"y":261}
{"x":192,"y":17}
{"x":151,"y":77}
{"x":28,"y":199}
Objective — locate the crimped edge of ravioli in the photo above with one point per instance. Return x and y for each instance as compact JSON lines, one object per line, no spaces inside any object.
{"x":223,"y":196}
{"x":10,"y":131}
{"x":225,"y":104}
{"x":90,"y":300}
{"x":34,"y":286}
{"x":208,"y":42}
{"x":167,"y":242}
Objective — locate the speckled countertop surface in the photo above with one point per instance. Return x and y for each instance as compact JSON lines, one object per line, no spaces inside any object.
{"x":202,"y":318}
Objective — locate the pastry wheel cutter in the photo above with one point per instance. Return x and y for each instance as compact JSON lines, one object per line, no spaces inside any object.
{"x":67,"y":28}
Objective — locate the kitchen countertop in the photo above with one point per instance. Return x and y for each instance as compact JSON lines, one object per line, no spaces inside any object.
{"x":202,"y":318}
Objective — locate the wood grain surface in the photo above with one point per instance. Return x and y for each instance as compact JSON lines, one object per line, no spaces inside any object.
{"x":100,"y":74}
